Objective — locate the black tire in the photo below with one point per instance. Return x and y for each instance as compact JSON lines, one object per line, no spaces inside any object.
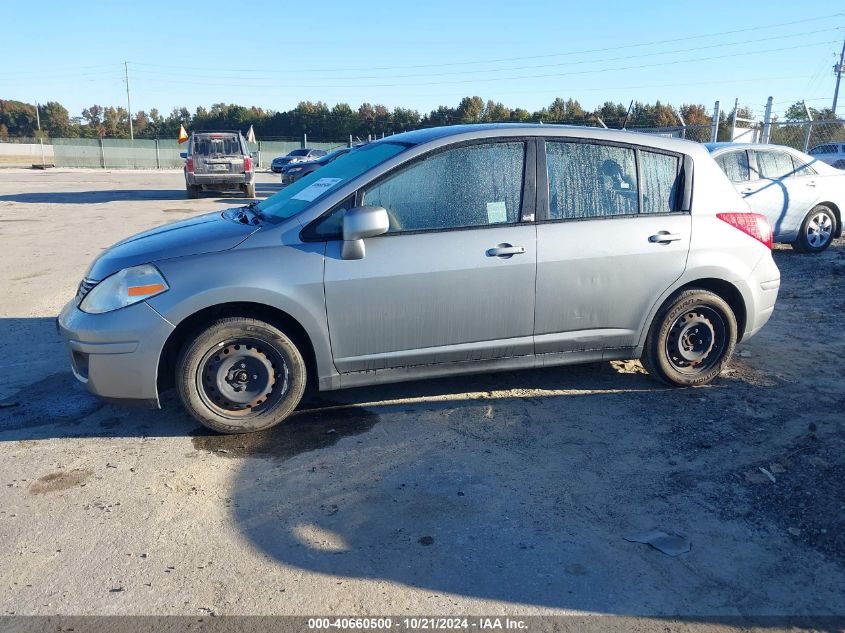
{"x":193,"y":191}
{"x":249,"y":190}
{"x":817,"y":230}
{"x":691,"y":339}
{"x":240,"y":375}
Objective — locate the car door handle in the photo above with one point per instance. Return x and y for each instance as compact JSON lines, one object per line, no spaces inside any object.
{"x":505,"y":251}
{"x":664,"y":237}
{"x":810,"y":184}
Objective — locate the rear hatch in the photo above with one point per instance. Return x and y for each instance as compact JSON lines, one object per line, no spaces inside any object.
{"x":218,"y":154}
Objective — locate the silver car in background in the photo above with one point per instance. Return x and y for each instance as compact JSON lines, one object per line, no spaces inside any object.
{"x":218,"y":161}
{"x":431,"y":253}
{"x":801,"y":196}
{"x":832,"y":153}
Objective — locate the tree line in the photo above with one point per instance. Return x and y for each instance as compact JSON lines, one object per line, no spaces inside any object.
{"x":319,"y":121}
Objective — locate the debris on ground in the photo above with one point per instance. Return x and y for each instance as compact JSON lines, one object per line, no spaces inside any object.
{"x":669,"y":544}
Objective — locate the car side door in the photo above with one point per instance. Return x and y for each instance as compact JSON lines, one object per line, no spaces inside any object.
{"x":453,"y":278}
{"x":611,"y":239}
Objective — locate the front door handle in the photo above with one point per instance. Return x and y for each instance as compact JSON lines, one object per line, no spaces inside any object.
{"x":505,"y":251}
{"x":810,"y":184}
{"x":664,"y":237}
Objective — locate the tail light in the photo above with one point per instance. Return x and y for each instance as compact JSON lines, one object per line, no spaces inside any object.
{"x":753,"y":224}
{"x":189,"y":162}
{"x":247,"y":163}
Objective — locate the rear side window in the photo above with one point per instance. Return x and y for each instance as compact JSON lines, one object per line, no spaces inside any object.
{"x":774,"y":165}
{"x":661,"y":176}
{"x":801,"y":168}
{"x":591,"y":181}
{"x":735,"y":166}
{"x":473,"y":185}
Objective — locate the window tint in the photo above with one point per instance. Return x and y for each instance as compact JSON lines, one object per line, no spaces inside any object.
{"x":475,"y":185}
{"x":774,"y":165}
{"x":217,"y":145}
{"x":591,"y":181}
{"x":660,"y":175}
{"x":735,"y":166}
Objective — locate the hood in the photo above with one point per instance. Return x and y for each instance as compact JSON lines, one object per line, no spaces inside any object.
{"x":202,"y":234}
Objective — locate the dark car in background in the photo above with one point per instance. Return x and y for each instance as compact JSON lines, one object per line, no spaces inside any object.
{"x":218,"y":161}
{"x":296,"y":156}
{"x":294,"y":171}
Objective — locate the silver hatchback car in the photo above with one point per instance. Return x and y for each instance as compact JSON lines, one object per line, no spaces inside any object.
{"x":431,"y":253}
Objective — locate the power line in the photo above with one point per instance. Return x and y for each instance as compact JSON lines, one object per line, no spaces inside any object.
{"x":548,"y":55}
{"x":508,"y":78}
{"x":217,"y":74}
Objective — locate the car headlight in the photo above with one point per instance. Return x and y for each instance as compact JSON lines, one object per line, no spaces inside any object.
{"x":294,"y":170}
{"x":124,"y":288}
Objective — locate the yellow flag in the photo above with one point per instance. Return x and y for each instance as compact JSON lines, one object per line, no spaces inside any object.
{"x":183,"y":135}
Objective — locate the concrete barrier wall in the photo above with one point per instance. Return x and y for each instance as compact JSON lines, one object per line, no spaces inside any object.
{"x":24,"y":154}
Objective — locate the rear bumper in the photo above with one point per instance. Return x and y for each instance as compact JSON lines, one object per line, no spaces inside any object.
{"x":764,"y":284}
{"x":211,"y":180}
{"x":115,"y":355}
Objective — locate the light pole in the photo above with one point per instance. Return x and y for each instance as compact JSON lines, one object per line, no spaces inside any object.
{"x":839,"y":69}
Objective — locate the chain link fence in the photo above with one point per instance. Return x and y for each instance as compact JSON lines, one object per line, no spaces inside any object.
{"x":108,"y":153}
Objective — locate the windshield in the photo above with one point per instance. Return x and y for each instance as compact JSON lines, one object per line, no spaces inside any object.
{"x":304,"y":192}
{"x":299,"y":152}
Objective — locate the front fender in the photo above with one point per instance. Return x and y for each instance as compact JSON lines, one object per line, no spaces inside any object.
{"x":287,"y":278}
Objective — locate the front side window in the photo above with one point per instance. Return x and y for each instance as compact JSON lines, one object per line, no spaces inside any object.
{"x":588,"y":180}
{"x":774,"y":165}
{"x":473,"y":185}
{"x":735,"y":166}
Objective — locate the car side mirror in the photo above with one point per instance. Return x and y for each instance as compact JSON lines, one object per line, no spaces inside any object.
{"x":183,"y":154}
{"x":253,"y":155}
{"x":358,"y":224}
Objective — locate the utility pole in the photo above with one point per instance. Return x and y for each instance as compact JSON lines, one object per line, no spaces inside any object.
{"x":128,"y":102}
{"x":839,"y":69}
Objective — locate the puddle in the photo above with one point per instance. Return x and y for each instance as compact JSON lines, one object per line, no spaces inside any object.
{"x":179,"y":210}
{"x":319,"y":426}
{"x":56,"y":399}
{"x":59,"y":481}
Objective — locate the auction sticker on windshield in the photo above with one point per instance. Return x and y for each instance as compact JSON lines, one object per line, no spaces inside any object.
{"x":316,"y":189}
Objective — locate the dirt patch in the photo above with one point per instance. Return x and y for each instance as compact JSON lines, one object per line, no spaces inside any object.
{"x":59,"y":480}
{"x":319,"y":426}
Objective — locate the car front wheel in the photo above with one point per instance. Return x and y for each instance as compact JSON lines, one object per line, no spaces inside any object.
{"x":240,"y":375}
{"x":817,"y":230}
{"x":691,"y":339}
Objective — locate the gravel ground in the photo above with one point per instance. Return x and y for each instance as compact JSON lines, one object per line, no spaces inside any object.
{"x":499,"y":494}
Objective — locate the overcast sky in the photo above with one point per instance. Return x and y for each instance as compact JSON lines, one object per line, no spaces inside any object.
{"x":420,"y":55}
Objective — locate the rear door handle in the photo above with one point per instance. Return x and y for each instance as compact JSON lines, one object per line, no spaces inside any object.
{"x":505,"y":251}
{"x":664,"y":237}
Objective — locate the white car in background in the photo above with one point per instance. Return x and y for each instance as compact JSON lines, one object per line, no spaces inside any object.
{"x":830,"y":153}
{"x":802,"y":197}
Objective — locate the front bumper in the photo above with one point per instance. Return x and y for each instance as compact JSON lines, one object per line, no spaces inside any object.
{"x":116,"y":354}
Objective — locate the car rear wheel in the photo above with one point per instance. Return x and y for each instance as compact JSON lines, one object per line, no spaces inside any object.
{"x":192,"y":191}
{"x":817,"y":230}
{"x":240,"y":375}
{"x":691,"y":339}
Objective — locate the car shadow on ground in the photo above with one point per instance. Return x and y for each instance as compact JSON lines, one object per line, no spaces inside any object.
{"x":94,"y":197}
{"x":516,"y":487}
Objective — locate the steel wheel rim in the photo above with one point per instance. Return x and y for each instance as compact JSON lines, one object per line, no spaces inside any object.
{"x":242,"y":377}
{"x":819,"y":229}
{"x":696,"y":341}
